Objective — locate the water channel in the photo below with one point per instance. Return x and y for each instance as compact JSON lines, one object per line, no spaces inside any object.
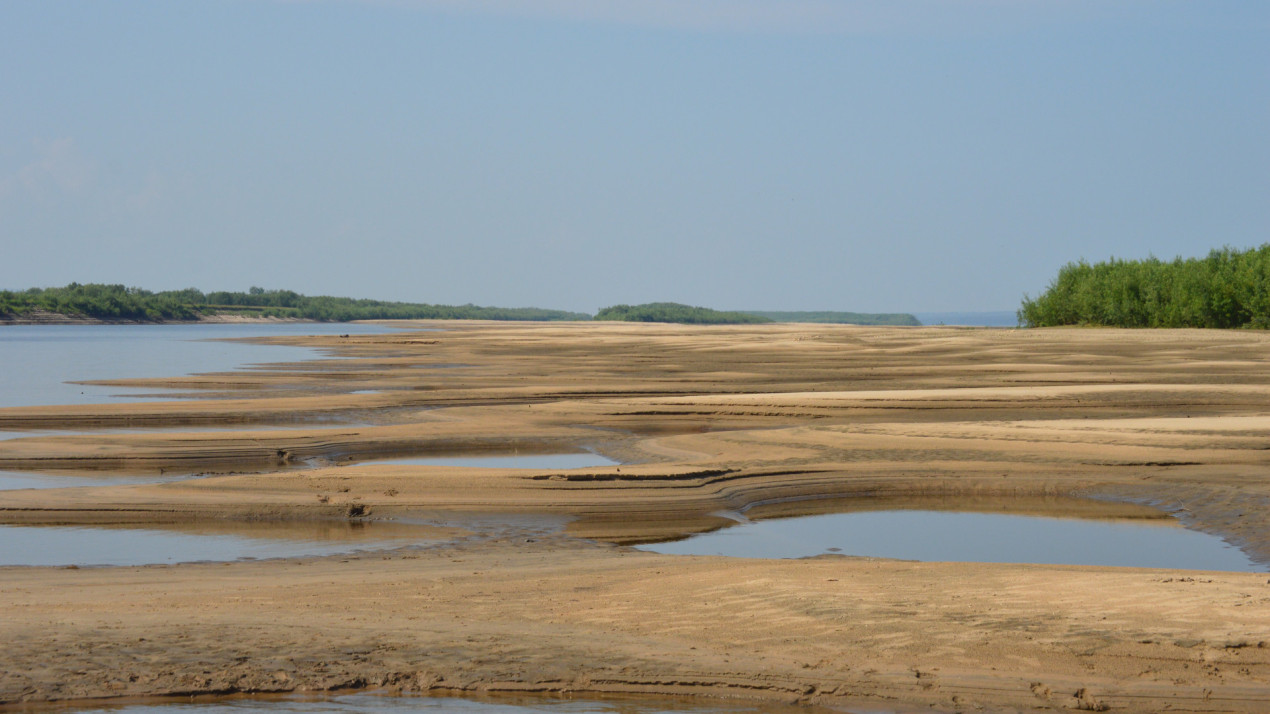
{"x":41,"y":363}
{"x":378,"y":704}
{"x":93,"y":546}
{"x":16,"y":480}
{"x":581,"y":460}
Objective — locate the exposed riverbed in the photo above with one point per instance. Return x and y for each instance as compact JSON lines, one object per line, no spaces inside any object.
{"x":711,"y":426}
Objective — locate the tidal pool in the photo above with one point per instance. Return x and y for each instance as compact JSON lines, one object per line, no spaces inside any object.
{"x":356,"y":703}
{"x":581,"y":460}
{"x":972,"y":537}
{"x":185,"y":543}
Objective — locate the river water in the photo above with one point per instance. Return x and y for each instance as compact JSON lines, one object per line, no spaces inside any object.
{"x":994,"y":318}
{"x":40,"y":361}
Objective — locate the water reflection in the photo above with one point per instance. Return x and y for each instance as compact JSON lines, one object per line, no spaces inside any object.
{"x":16,"y":480}
{"x":356,"y":703}
{"x":526,"y":461}
{"x":203,"y":541}
{"x":40,"y":359}
{"x":972,"y":537}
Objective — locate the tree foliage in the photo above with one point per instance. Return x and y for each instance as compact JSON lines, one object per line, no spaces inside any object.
{"x":675,"y":312}
{"x":106,"y":302}
{"x":116,"y":302}
{"x":1228,"y":288}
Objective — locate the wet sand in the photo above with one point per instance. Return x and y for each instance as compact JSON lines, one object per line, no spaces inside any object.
{"x":774,"y":419}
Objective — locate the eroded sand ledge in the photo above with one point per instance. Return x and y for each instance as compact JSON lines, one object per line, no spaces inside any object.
{"x":773,"y":418}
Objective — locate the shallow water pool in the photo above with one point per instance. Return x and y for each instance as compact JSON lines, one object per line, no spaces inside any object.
{"x":972,"y":537}
{"x":528,"y":461}
{"x":16,"y":480}
{"x":226,"y":541}
{"x":356,"y":703}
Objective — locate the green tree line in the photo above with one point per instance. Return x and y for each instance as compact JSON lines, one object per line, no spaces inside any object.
{"x":1228,"y":288}
{"x":675,"y":312}
{"x":116,"y":302}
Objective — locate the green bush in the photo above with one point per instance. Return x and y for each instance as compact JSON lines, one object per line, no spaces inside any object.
{"x":1228,"y":288}
{"x":675,"y":312}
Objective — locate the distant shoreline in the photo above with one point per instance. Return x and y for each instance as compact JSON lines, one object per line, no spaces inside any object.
{"x":969,"y":318}
{"x":55,"y":318}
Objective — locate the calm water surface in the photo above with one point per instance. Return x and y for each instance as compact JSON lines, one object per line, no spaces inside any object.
{"x":993,"y":318}
{"x":14,"y":480}
{"x":529,"y":461}
{"x":972,"y":537}
{"x":39,"y":360}
{"x":371,"y":703}
{"x":62,"y":545}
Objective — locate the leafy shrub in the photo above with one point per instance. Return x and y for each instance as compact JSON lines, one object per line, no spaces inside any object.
{"x":675,"y":312}
{"x":1228,"y":288}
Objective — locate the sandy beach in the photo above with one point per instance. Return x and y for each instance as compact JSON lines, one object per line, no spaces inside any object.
{"x":769,"y":420}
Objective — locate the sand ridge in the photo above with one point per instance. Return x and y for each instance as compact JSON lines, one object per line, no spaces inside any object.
{"x":774,"y":419}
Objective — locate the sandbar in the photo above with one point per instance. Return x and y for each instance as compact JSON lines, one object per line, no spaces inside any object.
{"x":770,"y":420}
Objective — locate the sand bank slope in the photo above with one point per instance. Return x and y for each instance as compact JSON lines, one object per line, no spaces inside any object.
{"x":771,"y":419}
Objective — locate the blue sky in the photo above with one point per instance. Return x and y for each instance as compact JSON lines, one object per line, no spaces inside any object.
{"x":911,"y":155}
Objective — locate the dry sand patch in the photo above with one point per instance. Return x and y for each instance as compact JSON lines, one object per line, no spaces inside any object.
{"x":777,"y":419}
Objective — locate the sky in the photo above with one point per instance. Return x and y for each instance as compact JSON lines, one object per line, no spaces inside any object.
{"x":879,"y":156}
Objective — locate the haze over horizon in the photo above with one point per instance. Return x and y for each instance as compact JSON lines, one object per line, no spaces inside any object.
{"x":905,"y":156}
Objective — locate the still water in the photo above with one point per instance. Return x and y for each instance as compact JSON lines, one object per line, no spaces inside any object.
{"x":84,"y":546}
{"x":39,"y":360}
{"x":994,"y":318}
{"x":972,"y":537}
{"x":372,"y":703}
{"x":14,"y":480}
{"x":581,"y":460}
